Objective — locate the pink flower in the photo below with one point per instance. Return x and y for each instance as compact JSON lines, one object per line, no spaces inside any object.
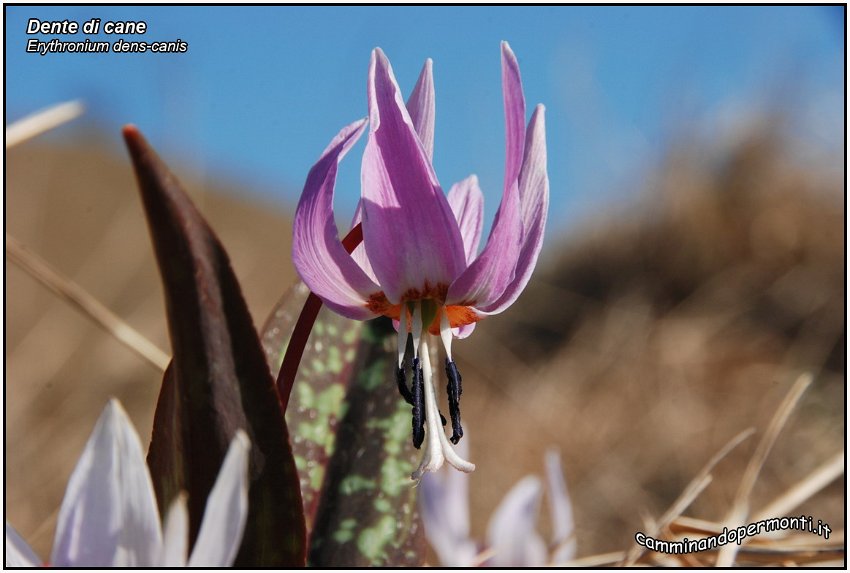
{"x":419,"y":262}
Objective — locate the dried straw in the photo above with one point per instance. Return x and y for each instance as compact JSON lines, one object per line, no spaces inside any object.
{"x":78,"y":297}
{"x":42,"y":121}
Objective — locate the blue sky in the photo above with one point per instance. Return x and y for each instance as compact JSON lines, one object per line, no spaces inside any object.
{"x":262,"y":90}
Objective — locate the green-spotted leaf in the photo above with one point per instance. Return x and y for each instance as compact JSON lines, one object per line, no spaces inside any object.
{"x":218,"y":381}
{"x":351,"y":439}
{"x":317,"y":400}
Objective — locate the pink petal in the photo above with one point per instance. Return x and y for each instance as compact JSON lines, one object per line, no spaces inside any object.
{"x":359,"y":252}
{"x":317,"y":253}
{"x":534,"y":206}
{"x":420,"y":105}
{"x":490,"y":274}
{"x":109,"y":516}
{"x":467,"y":203}
{"x":514,"y":102}
{"x":463,"y":331}
{"x":410,"y":233}
{"x":484,"y":281}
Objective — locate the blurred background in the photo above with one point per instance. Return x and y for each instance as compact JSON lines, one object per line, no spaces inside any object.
{"x":693,"y":266}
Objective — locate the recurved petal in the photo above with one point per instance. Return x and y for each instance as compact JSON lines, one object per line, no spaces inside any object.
{"x":487,"y":277}
{"x":511,"y":534}
{"x":109,"y":516}
{"x":317,"y":253}
{"x":484,"y":281}
{"x":514,"y":103}
{"x":561,"y":509}
{"x":410,"y":233}
{"x":463,"y":331}
{"x":533,"y":177}
{"x":18,"y":551}
{"x":467,"y":203}
{"x":226,"y":510}
{"x":421,"y":107}
{"x":534,"y":207}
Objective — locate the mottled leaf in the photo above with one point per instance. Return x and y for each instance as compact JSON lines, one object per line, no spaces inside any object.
{"x":368,"y":513}
{"x":351,"y":439}
{"x":317,"y":400}
{"x":218,"y":381}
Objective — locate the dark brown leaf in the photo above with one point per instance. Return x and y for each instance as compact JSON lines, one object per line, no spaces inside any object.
{"x":218,"y":381}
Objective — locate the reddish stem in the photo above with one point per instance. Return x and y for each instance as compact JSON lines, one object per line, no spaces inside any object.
{"x":301,"y":332}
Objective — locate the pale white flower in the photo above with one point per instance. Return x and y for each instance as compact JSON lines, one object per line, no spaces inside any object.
{"x":512,"y":537}
{"x":109,"y":516}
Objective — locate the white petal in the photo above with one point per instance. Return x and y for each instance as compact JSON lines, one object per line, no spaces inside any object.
{"x":18,"y":552}
{"x":226,"y":510}
{"x":444,"y":506}
{"x":175,"y":536}
{"x":561,"y":509}
{"x":511,"y":534}
{"x":457,"y":493}
{"x":109,"y":515}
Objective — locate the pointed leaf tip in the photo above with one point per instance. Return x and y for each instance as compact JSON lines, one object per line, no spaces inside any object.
{"x":135,"y":141}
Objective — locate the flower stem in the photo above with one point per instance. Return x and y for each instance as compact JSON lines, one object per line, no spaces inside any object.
{"x":303,"y":327}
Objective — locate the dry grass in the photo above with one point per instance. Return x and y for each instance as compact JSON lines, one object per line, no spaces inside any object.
{"x":76,"y":296}
{"x":658,"y":333}
{"x":646,"y":342}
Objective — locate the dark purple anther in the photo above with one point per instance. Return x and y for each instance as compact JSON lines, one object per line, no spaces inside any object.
{"x":454,"y":389}
{"x":401,"y":381}
{"x":418,"y":400}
